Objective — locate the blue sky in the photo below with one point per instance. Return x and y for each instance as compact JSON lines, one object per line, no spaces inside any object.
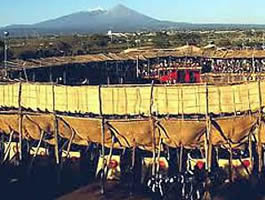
{"x":196,"y":11}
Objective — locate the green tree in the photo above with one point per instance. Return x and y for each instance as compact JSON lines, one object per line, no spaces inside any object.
{"x":223,"y":43}
{"x":99,"y":40}
{"x":161,"y":40}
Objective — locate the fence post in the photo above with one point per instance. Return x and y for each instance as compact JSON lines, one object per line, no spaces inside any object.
{"x":20,"y":121}
{"x":207,"y":142}
{"x":152,"y":121}
{"x":259,"y":131}
{"x":56,"y":146}
{"x":102,"y":191}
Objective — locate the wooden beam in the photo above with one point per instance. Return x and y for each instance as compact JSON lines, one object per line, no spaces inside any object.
{"x":153,"y":130}
{"x":56,"y":128}
{"x":230,"y":163}
{"x":20,"y":121}
{"x":207,"y":141}
{"x":103,"y":164}
{"x":260,"y":158}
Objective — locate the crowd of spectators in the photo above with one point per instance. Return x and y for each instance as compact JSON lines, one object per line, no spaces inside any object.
{"x":187,"y":63}
{"x":238,"y":66}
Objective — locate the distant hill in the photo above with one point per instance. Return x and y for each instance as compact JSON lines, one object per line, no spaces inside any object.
{"x":117,"y":19}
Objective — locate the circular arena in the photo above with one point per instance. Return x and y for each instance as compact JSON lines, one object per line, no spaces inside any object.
{"x":178,"y":125}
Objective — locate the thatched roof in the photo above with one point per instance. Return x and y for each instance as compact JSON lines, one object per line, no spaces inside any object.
{"x":187,"y":50}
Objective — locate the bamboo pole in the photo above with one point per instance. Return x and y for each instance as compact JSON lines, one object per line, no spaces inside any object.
{"x":70,"y":142}
{"x":260,"y":161}
{"x":181,"y":148}
{"x":132,"y":168}
{"x":148,"y":67}
{"x":153,"y":129}
{"x":182,"y":104}
{"x":230,"y":163}
{"x":250,"y":150}
{"x":20,"y":121}
{"x":68,"y":147}
{"x":103,"y":156}
{"x":137,"y":67}
{"x":180,"y":158}
{"x":36,"y":152}
{"x":210,"y":146}
{"x":103,"y":164}
{"x":234,"y":101}
{"x":207,"y":141}
{"x":38,"y":146}
{"x":159,"y":154}
{"x":110,"y":154}
{"x":56,"y":131}
{"x":7,"y":151}
{"x":153,"y":147}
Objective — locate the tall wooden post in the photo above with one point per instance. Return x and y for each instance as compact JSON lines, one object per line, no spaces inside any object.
{"x":137,"y":67}
{"x":148,"y":67}
{"x":158,"y":155}
{"x":103,"y":156}
{"x":20,"y":122}
{"x":153,"y":129}
{"x":103,"y":164}
{"x":207,"y":142}
{"x":259,"y":131}
{"x":132,"y":168}
{"x":250,"y":150}
{"x":180,"y":158}
{"x":56,"y":128}
{"x":230,"y":163}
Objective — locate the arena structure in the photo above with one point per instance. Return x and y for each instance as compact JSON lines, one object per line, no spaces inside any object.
{"x":136,"y":115}
{"x":151,"y":117}
{"x":142,"y":66}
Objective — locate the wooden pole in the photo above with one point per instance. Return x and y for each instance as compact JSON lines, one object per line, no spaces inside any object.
{"x":153,"y":147}
{"x":259,"y":132}
{"x":180,"y":158}
{"x":56,"y":131}
{"x":132,"y":169}
{"x":159,"y":154}
{"x":153,"y":129}
{"x":20,"y":121}
{"x":137,"y":67}
{"x":234,"y":101}
{"x":70,"y":142}
{"x":230,"y":163}
{"x":7,"y":150}
{"x":250,"y":150}
{"x":110,"y":154}
{"x":103,"y":164}
{"x":68,"y":147}
{"x":133,"y":154}
{"x":182,"y":103}
{"x":103,"y":156}
{"x":148,"y":67}
{"x":25,"y":74}
{"x":36,"y":152}
{"x":207,"y":142}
